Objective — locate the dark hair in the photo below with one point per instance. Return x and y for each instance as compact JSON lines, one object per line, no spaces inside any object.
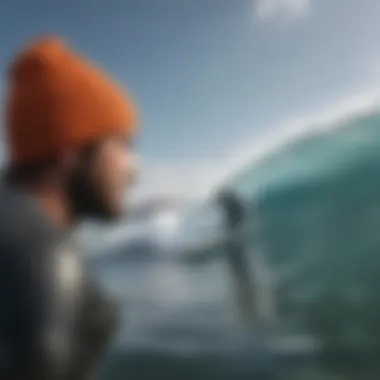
{"x":22,"y":174}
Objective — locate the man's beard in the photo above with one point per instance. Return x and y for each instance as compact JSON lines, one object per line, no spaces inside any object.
{"x":87,"y":200}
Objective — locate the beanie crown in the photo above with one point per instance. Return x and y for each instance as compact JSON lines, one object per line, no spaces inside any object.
{"x":58,"y":101}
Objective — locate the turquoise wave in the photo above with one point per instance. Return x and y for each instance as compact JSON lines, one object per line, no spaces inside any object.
{"x":318,"y":206}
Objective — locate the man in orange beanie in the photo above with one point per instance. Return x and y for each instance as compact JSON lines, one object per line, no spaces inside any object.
{"x":69,"y":130}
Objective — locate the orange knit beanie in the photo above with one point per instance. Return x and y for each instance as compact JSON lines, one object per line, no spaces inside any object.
{"x":59,"y":101}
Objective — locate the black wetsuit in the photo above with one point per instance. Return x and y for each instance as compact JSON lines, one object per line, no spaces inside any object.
{"x":55,"y":321}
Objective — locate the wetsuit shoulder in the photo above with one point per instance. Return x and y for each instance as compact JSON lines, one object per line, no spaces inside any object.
{"x":39,"y":292}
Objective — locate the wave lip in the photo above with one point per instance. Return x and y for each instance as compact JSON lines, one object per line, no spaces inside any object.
{"x":250,"y":155}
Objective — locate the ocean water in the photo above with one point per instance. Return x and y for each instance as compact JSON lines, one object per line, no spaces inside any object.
{"x":316,"y":207}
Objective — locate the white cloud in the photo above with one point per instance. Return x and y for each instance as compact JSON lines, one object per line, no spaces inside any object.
{"x":288,"y":10}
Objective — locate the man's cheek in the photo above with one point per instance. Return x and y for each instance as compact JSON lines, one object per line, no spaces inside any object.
{"x":133,"y":164}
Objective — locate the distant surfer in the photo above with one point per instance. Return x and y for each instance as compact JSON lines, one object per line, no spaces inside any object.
{"x":255,"y":341}
{"x":234,"y":216}
{"x":68,"y":131}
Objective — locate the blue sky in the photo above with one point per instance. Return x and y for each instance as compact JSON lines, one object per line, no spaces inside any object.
{"x":210,"y":75}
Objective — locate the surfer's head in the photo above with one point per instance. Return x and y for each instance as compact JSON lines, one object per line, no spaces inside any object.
{"x":68,"y":123}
